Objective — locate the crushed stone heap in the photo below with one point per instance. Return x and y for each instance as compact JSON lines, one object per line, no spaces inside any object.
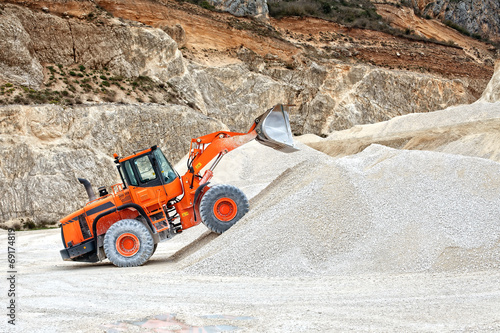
{"x":380,"y":211}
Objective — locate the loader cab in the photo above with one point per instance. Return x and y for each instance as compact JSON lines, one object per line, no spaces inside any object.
{"x":148,"y":168}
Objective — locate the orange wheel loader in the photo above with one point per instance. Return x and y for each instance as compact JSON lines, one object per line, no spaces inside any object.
{"x":154,"y":203}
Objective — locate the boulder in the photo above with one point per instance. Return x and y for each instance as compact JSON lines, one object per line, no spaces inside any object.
{"x":254,"y":8}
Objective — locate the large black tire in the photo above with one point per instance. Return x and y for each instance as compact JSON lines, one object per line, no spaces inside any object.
{"x":128,"y":243}
{"x":222,"y":206}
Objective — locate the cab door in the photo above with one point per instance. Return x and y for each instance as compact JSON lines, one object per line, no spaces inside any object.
{"x":152,"y":183}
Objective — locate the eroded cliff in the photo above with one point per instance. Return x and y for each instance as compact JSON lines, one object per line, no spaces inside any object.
{"x":200,"y":71}
{"x":477,"y":17}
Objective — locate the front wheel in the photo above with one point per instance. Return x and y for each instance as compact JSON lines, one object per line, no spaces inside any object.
{"x":222,"y":206}
{"x":128,"y":243}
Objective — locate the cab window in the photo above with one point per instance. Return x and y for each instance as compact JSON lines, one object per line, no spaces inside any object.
{"x":130,"y":173}
{"x":165,"y":168}
{"x":145,"y":168}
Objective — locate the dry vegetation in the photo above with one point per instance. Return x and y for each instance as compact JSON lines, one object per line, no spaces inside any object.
{"x":76,"y":84}
{"x":355,"y":13}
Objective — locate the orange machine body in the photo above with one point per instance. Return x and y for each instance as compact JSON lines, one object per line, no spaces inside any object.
{"x":151,"y":191}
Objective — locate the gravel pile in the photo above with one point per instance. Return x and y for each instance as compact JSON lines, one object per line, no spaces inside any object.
{"x":382,"y":210}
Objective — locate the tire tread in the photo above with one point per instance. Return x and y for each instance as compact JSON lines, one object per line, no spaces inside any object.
{"x":141,"y":231}
{"x":211,"y":196}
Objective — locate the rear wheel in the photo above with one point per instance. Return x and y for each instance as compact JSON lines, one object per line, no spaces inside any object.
{"x":222,"y":206}
{"x":128,"y":243}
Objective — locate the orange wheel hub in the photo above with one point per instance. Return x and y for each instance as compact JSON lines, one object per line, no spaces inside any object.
{"x":127,"y":244}
{"x":225,"y":209}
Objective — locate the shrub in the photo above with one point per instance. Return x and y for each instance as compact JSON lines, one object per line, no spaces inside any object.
{"x":477,"y":36}
{"x":29,"y":224}
{"x":457,"y":27}
{"x":205,"y":4}
{"x":353,"y":13}
{"x":202,"y":3}
{"x":144,"y":78}
{"x":326,"y":8}
{"x":18,"y":99}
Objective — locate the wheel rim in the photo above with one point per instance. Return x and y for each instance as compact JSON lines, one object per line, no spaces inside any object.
{"x":127,"y":244}
{"x":225,"y":209}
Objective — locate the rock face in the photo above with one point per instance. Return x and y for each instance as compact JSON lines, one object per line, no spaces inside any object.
{"x":126,"y":50}
{"x":18,"y":63}
{"x":478,"y":17}
{"x":254,"y":8}
{"x":355,"y":94}
{"x":492,"y":92}
{"x":46,"y":148}
{"x":330,"y":97}
{"x":177,"y":33}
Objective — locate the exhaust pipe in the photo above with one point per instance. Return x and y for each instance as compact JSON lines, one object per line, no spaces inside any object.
{"x":88,"y":188}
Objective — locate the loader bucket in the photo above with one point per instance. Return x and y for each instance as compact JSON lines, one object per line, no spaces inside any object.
{"x":273,"y":129}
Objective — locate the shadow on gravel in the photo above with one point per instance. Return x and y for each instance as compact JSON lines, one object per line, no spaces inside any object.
{"x":187,"y":250}
{"x":81,"y":266}
{"x":184,"y":252}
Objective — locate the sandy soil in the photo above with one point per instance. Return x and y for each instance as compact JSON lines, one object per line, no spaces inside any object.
{"x":56,"y":296}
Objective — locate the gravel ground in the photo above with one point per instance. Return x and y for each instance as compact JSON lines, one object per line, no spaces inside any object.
{"x":383,"y":241}
{"x":56,"y":296}
{"x":380,"y":211}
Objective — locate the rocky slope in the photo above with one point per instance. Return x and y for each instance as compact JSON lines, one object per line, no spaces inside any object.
{"x":227,"y":71}
{"x":330,"y":94}
{"x":126,"y":49}
{"x":45,"y":149}
{"x":254,"y":8}
{"x":477,"y":17}
{"x":471,"y":130}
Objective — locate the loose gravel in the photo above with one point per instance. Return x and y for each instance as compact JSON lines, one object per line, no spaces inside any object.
{"x":380,"y":211}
